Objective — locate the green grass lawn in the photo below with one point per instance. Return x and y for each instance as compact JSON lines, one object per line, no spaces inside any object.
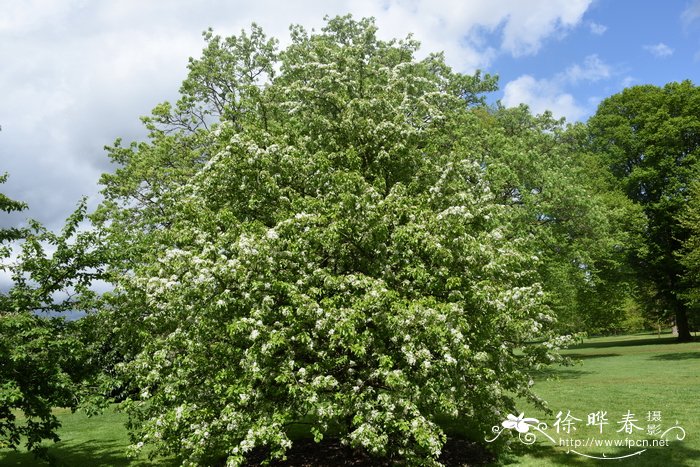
{"x":640,"y":374}
{"x":86,"y":441}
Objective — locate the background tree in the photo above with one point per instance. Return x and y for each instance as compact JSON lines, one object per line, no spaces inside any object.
{"x":41,"y":357}
{"x":328,"y":250}
{"x":690,"y":253}
{"x":563,"y":200}
{"x":650,"y":137}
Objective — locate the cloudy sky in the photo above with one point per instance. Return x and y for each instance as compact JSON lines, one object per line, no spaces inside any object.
{"x":76,"y":74}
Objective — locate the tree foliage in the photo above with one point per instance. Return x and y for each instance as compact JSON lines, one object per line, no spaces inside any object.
{"x":311,"y":235}
{"x":650,"y":137}
{"x":562,"y":199}
{"x":41,"y":357}
{"x":689,"y":255}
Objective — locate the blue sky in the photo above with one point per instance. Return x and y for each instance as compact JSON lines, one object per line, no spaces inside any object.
{"x":76,"y":74}
{"x":617,"y":43}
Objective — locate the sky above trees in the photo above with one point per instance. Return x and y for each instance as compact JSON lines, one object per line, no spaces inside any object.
{"x":77,"y":74}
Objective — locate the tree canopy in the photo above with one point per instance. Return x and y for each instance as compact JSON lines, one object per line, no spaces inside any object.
{"x":651,"y":138}
{"x":312,"y":235}
{"x":42,"y":359}
{"x":689,"y":255}
{"x":563,"y":200}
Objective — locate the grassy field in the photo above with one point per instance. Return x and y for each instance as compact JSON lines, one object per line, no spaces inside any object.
{"x":85,"y":441}
{"x":639,"y":374}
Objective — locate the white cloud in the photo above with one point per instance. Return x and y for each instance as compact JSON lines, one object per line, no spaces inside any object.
{"x":463,"y":28}
{"x":659,"y":50}
{"x":691,"y":13}
{"x":628,"y":81}
{"x":551,"y":94}
{"x":594,"y":101}
{"x":593,"y":69}
{"x":597,"y":29}
{"x":533,"y":21}
{"x":30,"y":15}
{"x":542,"y":95}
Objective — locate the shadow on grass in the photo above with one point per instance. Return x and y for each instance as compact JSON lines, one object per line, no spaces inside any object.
{"x":626,"y":343}
{"x":676,"y":356}
{"x":675,"y":454}
{"x":560,"y":373}
{"x":586,"y":356}
{"x":90,"y":453}
{"x":457,"y":452}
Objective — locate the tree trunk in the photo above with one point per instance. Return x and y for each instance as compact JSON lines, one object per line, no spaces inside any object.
{"x":682,"y":323}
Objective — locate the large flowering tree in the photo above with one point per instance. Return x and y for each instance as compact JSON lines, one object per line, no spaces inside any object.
{"x":310,"y":236}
